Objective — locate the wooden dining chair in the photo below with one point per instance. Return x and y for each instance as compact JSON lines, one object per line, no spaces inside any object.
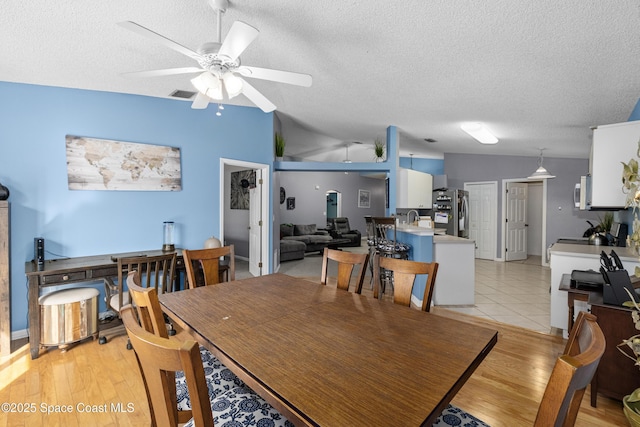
{"x":159,"y":359}
{"x":404,"y":278}
{"x":156,"y":272}
{"x":346,"y":262}
{"x":204,"y":266}
{"x":149,"y":313}
{"x":571,"y":374}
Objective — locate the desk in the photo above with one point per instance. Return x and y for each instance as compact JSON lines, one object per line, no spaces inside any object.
{"x":65,"y":271}
{"x":573,"y":295}
{"x":327,"y":357}
{"x":616,"y":376}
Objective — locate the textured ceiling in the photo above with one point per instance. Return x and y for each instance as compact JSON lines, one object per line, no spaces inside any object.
{"x":537,"y":73}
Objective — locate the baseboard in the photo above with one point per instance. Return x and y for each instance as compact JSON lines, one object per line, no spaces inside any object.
{"x":16,"y":335}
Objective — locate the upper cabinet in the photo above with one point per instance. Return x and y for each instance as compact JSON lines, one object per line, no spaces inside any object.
{"x":612,"y":145}
{"x":414,"y":189}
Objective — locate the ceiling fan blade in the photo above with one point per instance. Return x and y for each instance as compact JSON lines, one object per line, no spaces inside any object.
{"x":201,"y":102}
{"x":257,"y":98}
{"x":136,"y":28}
{"x":165,"y":72}
{"x":276,"y":75}
{"x":238,"y":38}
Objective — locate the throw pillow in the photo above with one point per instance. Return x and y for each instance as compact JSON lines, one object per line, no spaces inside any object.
{"x":286,"y":230}
{"x":304,"y":230}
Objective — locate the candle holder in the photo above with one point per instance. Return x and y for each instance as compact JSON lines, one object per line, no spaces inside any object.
{"x":168,"y":245}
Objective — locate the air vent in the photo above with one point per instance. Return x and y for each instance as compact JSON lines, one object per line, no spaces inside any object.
{"x":184,"y":94}
{"x":430,"y":140}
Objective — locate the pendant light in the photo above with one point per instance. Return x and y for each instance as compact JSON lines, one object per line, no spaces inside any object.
{"x":541,"y":172}
{"x":346,"y":160}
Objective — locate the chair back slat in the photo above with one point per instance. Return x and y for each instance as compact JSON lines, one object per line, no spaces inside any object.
{"x":347,"y":261}
{"x":203,"y":265}
{"x":147,"y":306}
{"x":404,"y":276}
{"x":157,"y":271}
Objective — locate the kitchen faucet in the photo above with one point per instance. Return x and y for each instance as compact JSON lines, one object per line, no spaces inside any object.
{"x":417,"y":217}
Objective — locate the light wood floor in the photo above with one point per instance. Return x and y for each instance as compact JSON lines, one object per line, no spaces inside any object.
{"x":504,"y":391}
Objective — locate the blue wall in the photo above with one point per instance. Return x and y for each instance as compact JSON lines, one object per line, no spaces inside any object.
{"x":635,"y":114}
{"x":33,"y":123}
{"x":432,"y":166}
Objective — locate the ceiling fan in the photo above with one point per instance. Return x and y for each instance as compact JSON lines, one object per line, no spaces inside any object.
{"x":219,"y":68}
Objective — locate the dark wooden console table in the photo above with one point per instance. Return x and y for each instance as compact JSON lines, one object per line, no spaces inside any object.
{"x":65,"y":271}
{"x":617,"y":375}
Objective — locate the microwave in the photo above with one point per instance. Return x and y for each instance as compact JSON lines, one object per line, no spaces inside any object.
{"x":582,"y":193}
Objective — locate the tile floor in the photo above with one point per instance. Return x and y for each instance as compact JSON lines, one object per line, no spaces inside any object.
{"x":515,"y":292}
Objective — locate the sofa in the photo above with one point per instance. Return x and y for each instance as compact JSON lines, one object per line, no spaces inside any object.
{"x":314,"y":239}
{"x":339,"y":229}
{"x":291,"y":250}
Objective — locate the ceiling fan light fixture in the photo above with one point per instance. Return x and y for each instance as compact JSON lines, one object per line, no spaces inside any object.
{"x":209,"y":85}
{"x":479,"y":132}
{"x":233,"y":84}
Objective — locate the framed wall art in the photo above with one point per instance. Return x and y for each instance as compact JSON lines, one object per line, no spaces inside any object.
{"x":241,"y":182}
{"x":103,"y":164}
{"x":364,"y":199}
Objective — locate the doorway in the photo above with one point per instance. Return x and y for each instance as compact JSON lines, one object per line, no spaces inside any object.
{"x":334,"y":205}
{"x":256,"y":225}
{"x":535,"y":218}
{"x":483,"y":219}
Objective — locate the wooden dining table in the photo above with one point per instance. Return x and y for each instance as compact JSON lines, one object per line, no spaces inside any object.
{"x":328,"y":357}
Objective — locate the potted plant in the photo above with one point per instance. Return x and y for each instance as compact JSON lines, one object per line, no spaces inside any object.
{"x":631,"y":187}
{"x":378,"y":150}
{"x":279,"y":146}
{"x":631,"y":402}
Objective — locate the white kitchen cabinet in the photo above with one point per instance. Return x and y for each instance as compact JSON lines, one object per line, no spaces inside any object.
{"x":414,"y":189}
{"x":612,"y":144}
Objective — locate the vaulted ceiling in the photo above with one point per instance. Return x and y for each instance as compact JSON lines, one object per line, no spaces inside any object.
{"x":537,"y":73}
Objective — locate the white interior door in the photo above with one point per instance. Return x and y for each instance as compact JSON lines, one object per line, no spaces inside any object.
{"x":483,"y":203}
{"x":255,"y":226}
{"x":516,"y":221}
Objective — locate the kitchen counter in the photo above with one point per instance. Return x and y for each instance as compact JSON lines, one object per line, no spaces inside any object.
{"x":451,"y":239}
{"x":414,"y":229}
{"x":455,"y":281}
{"x":593,"y":251}
{"x":564,"y":258}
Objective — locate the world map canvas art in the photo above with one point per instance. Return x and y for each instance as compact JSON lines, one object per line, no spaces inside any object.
{"x":102,"y":164}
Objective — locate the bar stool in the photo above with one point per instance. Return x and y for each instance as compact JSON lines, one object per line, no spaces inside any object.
{"x":388,"y":246}
{"x":372,"y":243}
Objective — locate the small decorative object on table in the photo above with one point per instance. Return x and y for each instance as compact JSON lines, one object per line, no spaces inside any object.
{"x":168,"y":245}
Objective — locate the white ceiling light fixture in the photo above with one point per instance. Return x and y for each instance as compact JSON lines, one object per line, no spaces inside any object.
{"x":232,"y":84}
{"x":479,"y":132}
{"x":208,"y":85}
{"x":541,"y":172}
{"x":346,"y":160}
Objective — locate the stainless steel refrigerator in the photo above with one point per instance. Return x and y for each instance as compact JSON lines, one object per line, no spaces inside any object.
{"x":451,"y":212}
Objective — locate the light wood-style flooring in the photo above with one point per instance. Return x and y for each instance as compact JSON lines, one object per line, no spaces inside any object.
{"x":504,"y":391}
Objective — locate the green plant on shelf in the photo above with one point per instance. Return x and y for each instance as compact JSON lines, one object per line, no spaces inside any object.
{"x":279,"y":142}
